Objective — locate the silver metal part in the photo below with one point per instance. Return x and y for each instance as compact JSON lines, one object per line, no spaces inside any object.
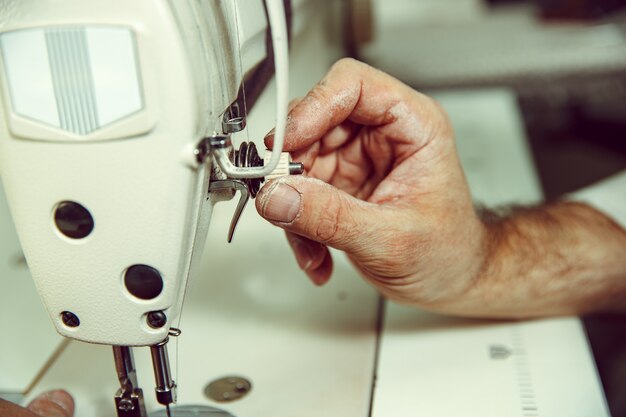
{"x":232,"y":120}
{"x":207,"y":145}
{"x":221,"y":185}
{"x":234,"y":125}
{"x":220,"y":142}
{"x":228,"y":389}
{"x":296,"y":168}
{"x":129,"y":398}
{"x":165,"y":387}
{"x":222,"y":157}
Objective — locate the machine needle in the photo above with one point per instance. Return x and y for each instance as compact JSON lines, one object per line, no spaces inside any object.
{"x":167,"y":410}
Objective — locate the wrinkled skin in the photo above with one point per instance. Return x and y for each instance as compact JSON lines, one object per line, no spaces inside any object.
{"x":390,"y":191}
{"x":384,"y":184}
{"x":48,"y":404}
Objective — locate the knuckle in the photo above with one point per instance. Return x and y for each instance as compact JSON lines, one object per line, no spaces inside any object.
{"x":344,"y":63}
{"x":333,"y":223}
{"x":328,"y":226}
{"x":318,"y":94}
{"x":326,"y":230}
{"x":294,"y":103}
{"x":343,"y":68}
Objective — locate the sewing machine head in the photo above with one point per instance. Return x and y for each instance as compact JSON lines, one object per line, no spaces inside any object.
{"x":116,"y":122}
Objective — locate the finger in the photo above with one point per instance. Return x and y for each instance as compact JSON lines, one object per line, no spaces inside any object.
{"x":318,"y":211}
{"x":311,"y":257}
{"x":357,"y":92}
{"x":307,"y":156}
{"x":344,"y":160}
{"x":332,"y":141}
{"x":324,"y":167}
{"x":293,"y":103}
{"x":53,"y":404}
{"x":338,"y":136}
{"x":309,"y":254}
{"x":354,"y":167}
{"x":8,"y":409}
{"x":321,"y":275}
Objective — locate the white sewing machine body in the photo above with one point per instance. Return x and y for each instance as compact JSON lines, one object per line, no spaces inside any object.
{"x":102,"y":112}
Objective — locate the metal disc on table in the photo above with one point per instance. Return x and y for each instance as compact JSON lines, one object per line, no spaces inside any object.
{"x":228,"y":389}
{"x":192,"y":411}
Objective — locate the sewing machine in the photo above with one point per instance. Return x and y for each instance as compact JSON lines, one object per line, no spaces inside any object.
{"x":336,"y":350}
{"x":117,"y":143}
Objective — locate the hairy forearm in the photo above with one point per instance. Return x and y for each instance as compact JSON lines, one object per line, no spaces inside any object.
{"x":563,"y":258}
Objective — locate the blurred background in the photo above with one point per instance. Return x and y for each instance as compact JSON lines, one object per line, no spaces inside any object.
{"x":565,"y":63}
{"x":565,"y":60}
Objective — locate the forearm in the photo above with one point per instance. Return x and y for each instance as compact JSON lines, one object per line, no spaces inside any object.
{"x":564,"y":258}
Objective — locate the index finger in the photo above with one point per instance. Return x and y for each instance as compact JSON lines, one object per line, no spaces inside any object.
{"x":8,"y":409}
{"x":350,"y":91}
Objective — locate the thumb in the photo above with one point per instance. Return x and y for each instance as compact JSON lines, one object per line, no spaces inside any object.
{"x":53,"y":404}
{"x":316,"y":210}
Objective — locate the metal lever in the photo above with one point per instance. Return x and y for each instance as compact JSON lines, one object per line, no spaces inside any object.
{"x":129,"y":398}
{"x":236,"y":185}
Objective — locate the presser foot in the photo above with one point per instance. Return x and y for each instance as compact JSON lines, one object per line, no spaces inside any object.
{"x":130,"y":405}
{"x":129,"y":400}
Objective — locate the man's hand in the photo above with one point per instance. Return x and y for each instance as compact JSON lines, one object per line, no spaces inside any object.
{"x":385,"y":185}
{"x":49,"y":404}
